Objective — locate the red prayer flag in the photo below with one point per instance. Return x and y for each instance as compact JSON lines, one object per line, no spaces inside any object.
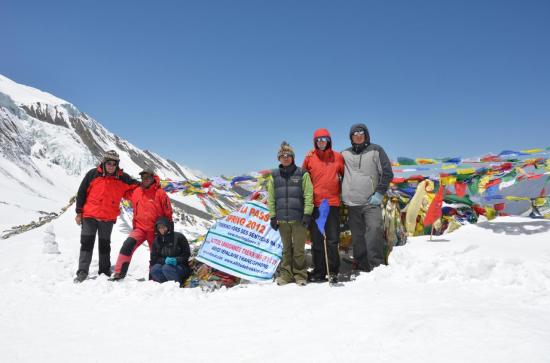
{"x":479,"y":210}
{"x":460,"y":189}
{"x":492,"y":183}
{"x":434,"y":211}
{"x":499,"y":207}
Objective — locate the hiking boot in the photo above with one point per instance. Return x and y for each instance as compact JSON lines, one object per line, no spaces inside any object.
{"x":105,"y":272}
{"x":301,"y":282}
{"x":352,"y":261}
{"x":333,"y":279}
{"x":118,"y":276}
{"x":80,"y":276}
{"x":280,"y":281}
{"x":316,"y":278}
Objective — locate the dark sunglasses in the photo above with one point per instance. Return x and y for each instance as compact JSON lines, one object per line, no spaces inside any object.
{"x":358,"y":133}
{"x":146,"y":177}
{"x":322,"y":139}
{"x":286,"y":155}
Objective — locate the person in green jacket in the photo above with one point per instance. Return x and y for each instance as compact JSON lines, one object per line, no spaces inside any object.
{"x":290,"y":201}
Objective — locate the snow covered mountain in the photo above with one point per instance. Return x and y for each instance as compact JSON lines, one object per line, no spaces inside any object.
{"x":47,"y":145}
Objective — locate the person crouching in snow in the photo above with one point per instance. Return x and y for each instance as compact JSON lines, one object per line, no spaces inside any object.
{"x":149,"y":202}
{"x":290,"y":201}
{"x":170,"y":254}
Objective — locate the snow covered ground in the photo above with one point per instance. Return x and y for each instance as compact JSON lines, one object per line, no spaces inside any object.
{"x":481,"y":294}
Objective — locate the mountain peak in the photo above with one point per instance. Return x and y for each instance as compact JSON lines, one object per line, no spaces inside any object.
{"x":47,"y":145}
{"x":26,"y":95}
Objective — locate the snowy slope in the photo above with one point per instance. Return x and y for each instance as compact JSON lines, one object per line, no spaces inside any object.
{"x":47,"y":145}
{"x":481,"y":294}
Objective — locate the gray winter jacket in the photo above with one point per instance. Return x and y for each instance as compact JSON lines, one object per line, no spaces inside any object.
{"x":365,"y":173}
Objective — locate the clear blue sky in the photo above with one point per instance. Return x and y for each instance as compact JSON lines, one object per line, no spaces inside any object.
{"x":217,"y":85}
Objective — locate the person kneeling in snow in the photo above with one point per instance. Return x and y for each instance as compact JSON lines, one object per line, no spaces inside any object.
{"x":170,"y":254}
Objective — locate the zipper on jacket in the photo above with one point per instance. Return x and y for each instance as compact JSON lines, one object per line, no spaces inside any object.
{"x":286,"y":198}
{"x":360,"y":158}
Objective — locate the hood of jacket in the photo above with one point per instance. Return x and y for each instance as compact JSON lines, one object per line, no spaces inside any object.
{"x":323,"y":154}
{"x":165,"y":221}
{"x":359,"y":148}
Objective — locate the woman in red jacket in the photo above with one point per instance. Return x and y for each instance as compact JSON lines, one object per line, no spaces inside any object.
{"x":326,"y":168}
{"x":149,"y":202}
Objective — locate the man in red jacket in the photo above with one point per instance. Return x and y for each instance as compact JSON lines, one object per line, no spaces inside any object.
{"x":149,"y":202}
{"x":326,"y":168}
{"x":97,"y":208}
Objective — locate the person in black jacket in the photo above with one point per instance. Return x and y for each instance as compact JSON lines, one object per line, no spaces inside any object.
{"x":170,"y":254}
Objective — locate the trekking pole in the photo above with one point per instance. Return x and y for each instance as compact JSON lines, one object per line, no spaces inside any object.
{"x":326,"y":257}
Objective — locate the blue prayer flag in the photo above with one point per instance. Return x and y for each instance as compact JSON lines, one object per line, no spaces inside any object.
{"x":324,"y":209}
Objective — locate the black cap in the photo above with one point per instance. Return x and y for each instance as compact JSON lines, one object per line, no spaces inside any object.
{"x":147,"y":171}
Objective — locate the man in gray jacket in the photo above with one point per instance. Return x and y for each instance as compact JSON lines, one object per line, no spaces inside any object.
{"x":367,"y":176}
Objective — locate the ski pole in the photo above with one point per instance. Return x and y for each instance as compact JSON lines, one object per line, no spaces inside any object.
{"x":326,"y":257}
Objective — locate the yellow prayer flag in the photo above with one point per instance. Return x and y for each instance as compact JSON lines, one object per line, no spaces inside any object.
{"x":483,"y":182}
{"x":425,"y":161}
{"x":515,"y":199}
{"x":449,"y":166}
{"x":448,"y":180}
{"x":466,"y":171}
{"x":490,"y":213}
{"x":532,"y":151}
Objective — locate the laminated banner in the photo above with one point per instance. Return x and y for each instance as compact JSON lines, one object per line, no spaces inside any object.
{"x":243,"y":244}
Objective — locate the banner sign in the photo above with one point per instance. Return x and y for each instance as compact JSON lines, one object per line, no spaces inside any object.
{"x":243,"y":244}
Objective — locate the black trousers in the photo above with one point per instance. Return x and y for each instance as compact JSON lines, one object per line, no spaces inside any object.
{"x":332,"y":232}
{"x":91,"y":227}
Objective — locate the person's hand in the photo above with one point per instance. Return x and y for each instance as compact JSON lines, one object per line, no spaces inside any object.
{"x":170,"y":261}
{"x":376,"y":199}
{"x":274,"y":224}
{"x":306,"y":220}
{"x":78,"y":218}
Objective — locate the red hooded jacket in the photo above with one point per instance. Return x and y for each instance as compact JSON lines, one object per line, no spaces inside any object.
{"x":150,"y":204}
{"x":99,"y":194}
{"x":325,"y":167}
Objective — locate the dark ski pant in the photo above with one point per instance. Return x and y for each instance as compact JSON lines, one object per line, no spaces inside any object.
{"x":367,"y":235}
{"x":332,"y":232}
{"x":293,"y":265}
{"x":90,"y":227}
{"x":162,"y":273}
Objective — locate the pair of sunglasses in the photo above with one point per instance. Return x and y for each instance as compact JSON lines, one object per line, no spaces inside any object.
{"x":357,"y":133}
{"x":323,"y":139}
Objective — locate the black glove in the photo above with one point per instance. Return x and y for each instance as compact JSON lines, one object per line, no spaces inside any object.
{"x":274,"y":224}
{"x":306,"y":220}
{"x":315,"y":214}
